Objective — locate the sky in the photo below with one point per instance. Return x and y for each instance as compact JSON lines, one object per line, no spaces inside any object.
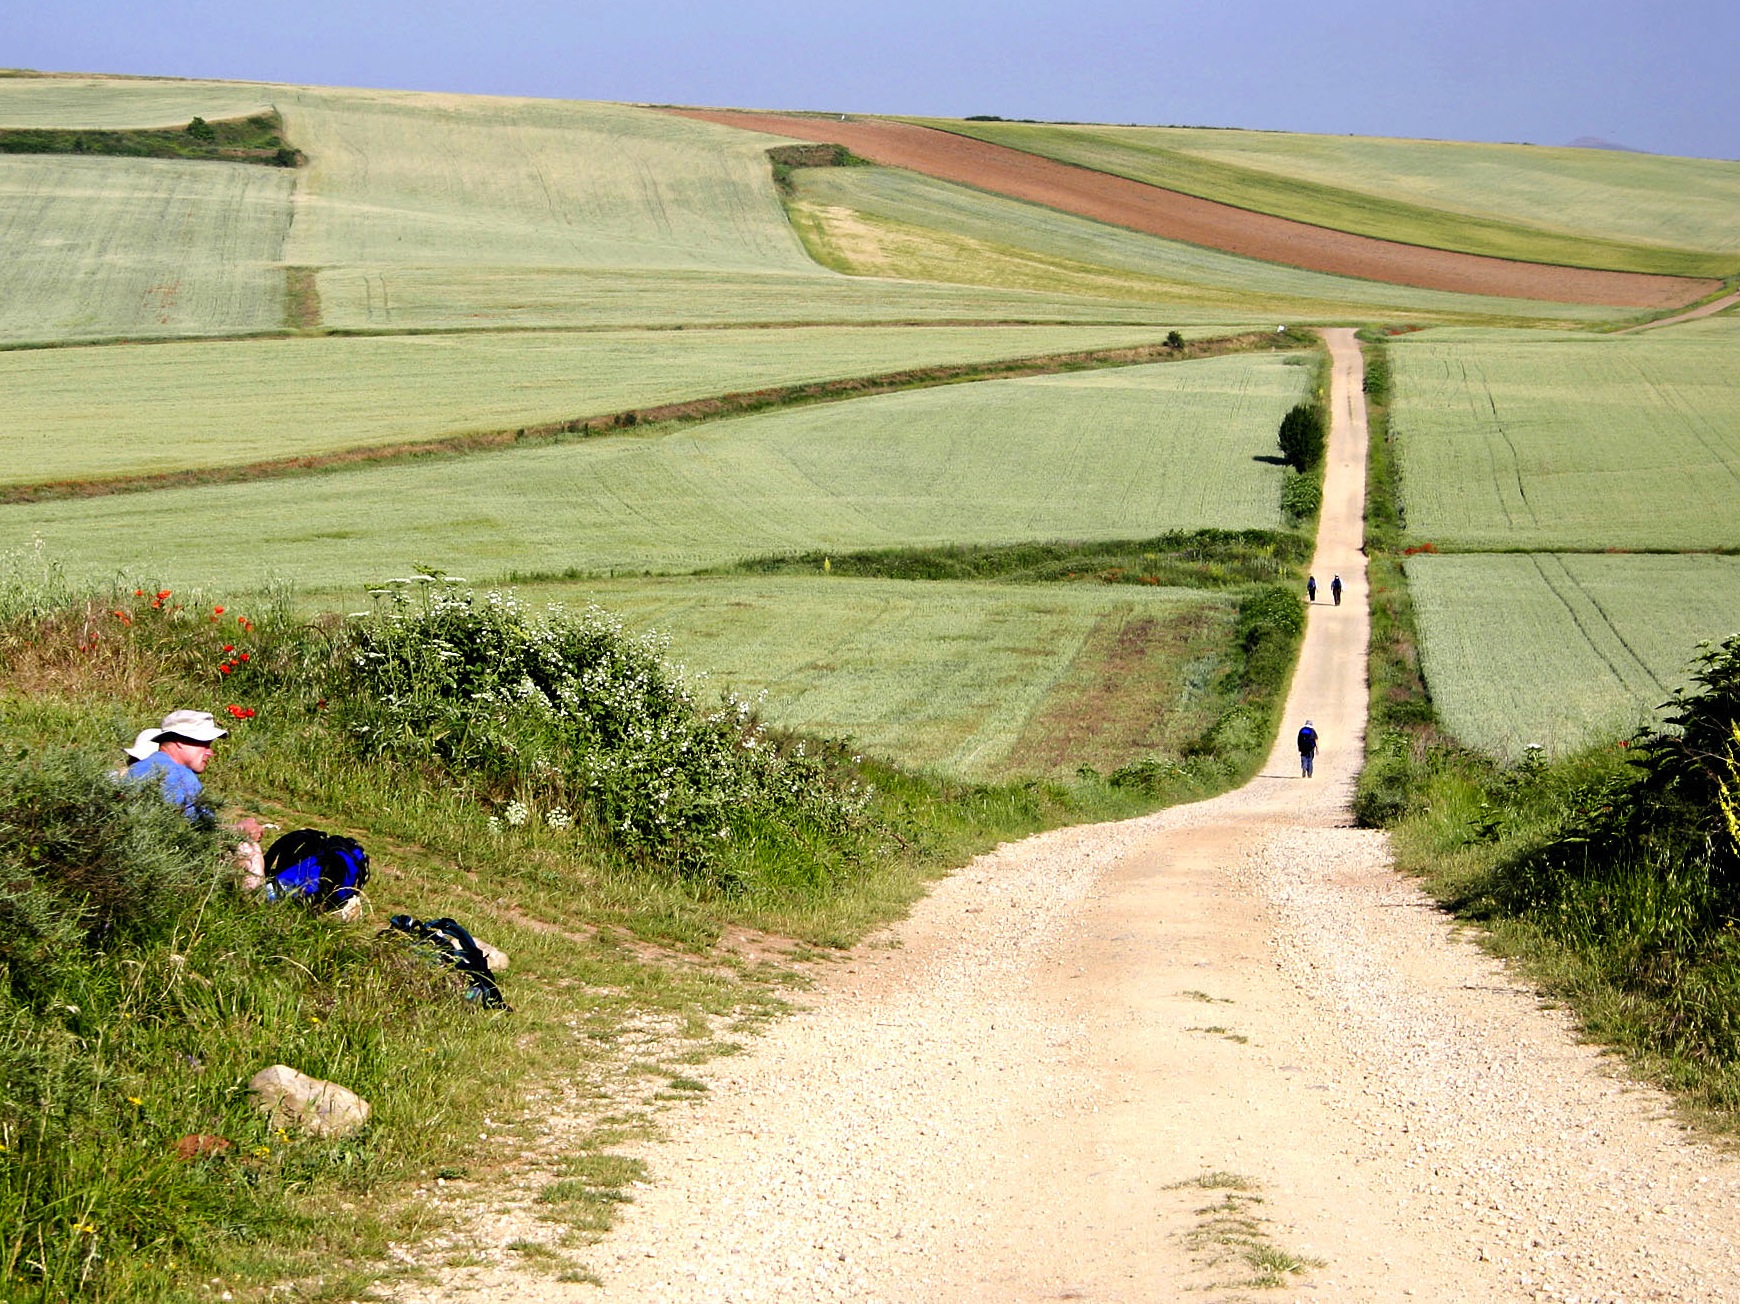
{"x":1650,"y":74}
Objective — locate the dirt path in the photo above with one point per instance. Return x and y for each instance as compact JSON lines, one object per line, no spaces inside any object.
{"x":1709,"y":309}
{"x":1162,"y":212}
{"x":1110,"y":1063}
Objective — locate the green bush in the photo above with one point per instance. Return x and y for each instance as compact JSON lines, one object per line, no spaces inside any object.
{"x":85,"y":860}
{"x":1303,"y":435}
{"x":574,"y":716}
{"x":1301,"y":498}
{"x":1657,"y":830}
{"x":1271,"y":619}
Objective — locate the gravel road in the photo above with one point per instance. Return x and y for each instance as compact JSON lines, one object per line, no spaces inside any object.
{"x":1140,"y":1061}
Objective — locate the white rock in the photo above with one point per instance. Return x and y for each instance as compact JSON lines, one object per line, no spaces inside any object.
{"x":311,"y":1105}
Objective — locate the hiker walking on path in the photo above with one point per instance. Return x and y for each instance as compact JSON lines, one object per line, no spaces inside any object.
{"x":1307,"y":750}
{"x":1335,"y":589}
{"x":1311,"y":589}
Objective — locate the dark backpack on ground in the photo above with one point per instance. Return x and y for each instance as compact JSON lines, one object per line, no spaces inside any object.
{"x":453,"y":945}
{"x":326,"y":869}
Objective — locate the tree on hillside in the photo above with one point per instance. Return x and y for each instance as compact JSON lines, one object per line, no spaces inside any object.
{"x":1302,"y":436}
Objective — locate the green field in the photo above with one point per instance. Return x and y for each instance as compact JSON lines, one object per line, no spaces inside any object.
{"x":77,"y":413}
{"x":413,"y":179}
{"x":886,"y":222}
{"x":1123,"y":453}
{"x":1583,"y":208}
{"x":101,"y":247}
{"x":1561,"y":649}
{"x":118,"y":102}
{"x":391,"y":299}
{"x":1674,"y":203}
{"x":1624,"y":442}
{"x":950,"y":676}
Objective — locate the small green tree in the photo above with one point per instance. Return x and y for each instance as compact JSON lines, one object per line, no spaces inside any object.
{"x":1174,"y":339}
{"x":202,"y":130}
{"x":1302,"y":436}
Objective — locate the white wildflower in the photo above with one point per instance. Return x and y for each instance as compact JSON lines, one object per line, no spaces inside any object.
{"x":516,"y":813}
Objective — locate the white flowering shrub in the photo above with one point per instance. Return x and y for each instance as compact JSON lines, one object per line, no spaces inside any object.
{"x":586,"y":718}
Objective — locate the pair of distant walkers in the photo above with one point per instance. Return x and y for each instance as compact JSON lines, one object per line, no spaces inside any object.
{"x":1334,"y":589}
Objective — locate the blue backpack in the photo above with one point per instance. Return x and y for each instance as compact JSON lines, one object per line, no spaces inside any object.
{"x":324,"y":869}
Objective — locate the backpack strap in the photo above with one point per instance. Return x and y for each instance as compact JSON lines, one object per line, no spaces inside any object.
{"x":455,"y":946}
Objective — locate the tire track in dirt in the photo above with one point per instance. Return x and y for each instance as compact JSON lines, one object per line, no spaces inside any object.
{"x":1176,"y":216}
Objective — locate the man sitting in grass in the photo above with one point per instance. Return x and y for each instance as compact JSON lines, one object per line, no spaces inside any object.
{"x":185,"y":745}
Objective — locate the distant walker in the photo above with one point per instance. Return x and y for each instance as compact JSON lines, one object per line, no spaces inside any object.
{"x":1307,"y":750}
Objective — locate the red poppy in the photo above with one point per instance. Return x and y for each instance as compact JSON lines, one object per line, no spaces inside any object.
{"x":229,"y":647}
{"x":217,"y":611}
{"x":138,"y":593}
{"x":223,"y":670}
{"x":243,"y":657}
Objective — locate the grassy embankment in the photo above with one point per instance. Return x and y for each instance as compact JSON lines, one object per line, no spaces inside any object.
{"x":142,"y":990}
{"x":1607,"y":875}
{"x":258,"y":138}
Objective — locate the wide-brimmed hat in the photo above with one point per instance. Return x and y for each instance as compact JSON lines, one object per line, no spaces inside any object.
{"x":195,"y":726}
{"x":143,"y":745}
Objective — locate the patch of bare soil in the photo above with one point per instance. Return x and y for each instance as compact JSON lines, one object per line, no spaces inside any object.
{"x":1176,"y":216}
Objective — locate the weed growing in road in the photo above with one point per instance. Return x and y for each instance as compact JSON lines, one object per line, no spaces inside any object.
{"x":1218,"y":1031}
{"x":1231,"y":1231}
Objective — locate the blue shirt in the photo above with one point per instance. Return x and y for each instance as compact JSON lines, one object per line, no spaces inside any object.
{"x":181,"y":786}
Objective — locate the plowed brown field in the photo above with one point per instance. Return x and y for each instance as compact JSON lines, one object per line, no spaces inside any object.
{"x":1176,"y":216}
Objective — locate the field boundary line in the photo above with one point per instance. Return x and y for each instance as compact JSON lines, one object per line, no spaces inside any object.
{"x":674,"y":327}
{"x":662,"y":416}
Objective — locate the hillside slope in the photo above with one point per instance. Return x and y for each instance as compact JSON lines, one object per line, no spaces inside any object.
{"x":1144,"y":207}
